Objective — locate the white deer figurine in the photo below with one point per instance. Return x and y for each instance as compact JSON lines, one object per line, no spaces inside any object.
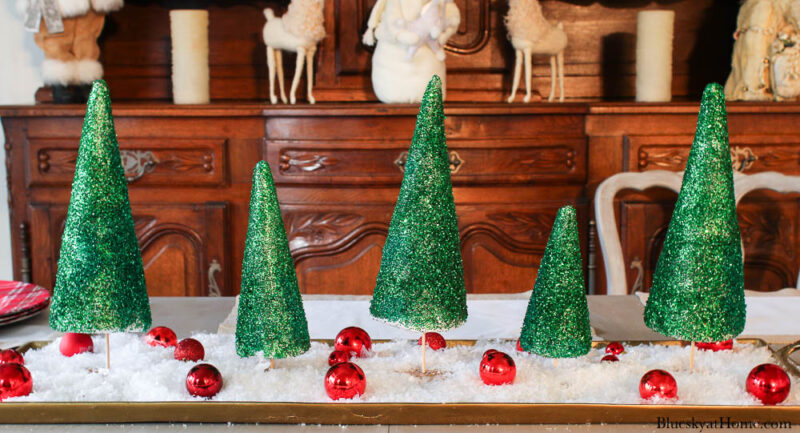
{"x":531,"y":34}
{"x":298,"y":30}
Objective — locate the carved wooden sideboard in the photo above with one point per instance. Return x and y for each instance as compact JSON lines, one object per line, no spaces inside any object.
{"x":338,"y":168}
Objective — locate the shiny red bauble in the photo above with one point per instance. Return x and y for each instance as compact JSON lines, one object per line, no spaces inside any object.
{"x":434,"y":340}
{"x":354,"y":339}
{"x":161,"y":336}
{"x":768,"y":383}
{"x":189,"y":349}
{"x":497,"y":368}
{"x":716,"y":346}
{"x":11,"y":355}
{"x":610,"y":358}
{"x":658,"y":383}
{"x":15,"y":380}
{"x":339,"y":356}
{"x":615,"y":348}
{"x":345,"y":380}
{"x":203,"y":380}
{"x":73,"y":343}
{"x":488,"y":352}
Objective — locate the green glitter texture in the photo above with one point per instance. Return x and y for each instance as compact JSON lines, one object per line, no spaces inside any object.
{"x":420,"y":284}
{"x":557,"y":320}
{"x":271,"y":318}
{"x":698,"y":287}
{"x":100,"y":281}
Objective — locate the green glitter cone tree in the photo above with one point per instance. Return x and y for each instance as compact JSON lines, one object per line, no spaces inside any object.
{"x":271,"y":318}
{"x":100,"y":284}
{"x":420,"y":285}
{"x":556,"y":323}
{"x":698,"y":287}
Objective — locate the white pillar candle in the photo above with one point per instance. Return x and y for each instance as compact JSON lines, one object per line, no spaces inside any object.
{"x":190,"y":78}
{"x":654,"y":56}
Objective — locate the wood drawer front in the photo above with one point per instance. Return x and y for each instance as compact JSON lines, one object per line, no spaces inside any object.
{"x":157,"y":161}
{"x":749,"y":153}
{"x":338,"y":249}
{"x":561,"y":160}
{"x":183,"y":246}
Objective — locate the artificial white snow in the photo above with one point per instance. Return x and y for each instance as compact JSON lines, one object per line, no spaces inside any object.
{"x":143,"y":373}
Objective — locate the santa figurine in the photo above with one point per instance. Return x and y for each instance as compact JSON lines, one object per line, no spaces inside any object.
{"x":67,"y":32}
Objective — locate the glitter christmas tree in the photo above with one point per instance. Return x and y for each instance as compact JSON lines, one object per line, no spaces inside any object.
{"x":271,"y":318}
{"x":556,"y":323}
{"x":100,"y":283}
{"x":420,"y":284}
{"x":698,"y":287}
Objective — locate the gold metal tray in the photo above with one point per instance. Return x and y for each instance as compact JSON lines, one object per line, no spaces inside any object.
{"x":402,"y":413}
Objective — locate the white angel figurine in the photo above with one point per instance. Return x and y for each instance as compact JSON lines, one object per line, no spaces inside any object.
{"x":410,"y":35}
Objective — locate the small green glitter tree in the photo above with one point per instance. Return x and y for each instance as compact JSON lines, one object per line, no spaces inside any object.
{"x":698,"y":286}
{"x":271,"y":318}
{"x":556,"y":323}
{"x":100,"y":284}
{"x":420,"y":284}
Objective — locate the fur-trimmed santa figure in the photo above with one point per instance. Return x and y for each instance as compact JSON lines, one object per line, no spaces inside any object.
{"x":71,"y":57}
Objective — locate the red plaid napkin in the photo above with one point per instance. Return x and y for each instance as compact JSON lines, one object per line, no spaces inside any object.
{"x":17,"y":297}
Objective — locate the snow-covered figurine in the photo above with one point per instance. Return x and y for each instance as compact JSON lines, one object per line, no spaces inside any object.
{"x":298,"y":30}
{"x":410,"y":35}
{"x":532,"y":34}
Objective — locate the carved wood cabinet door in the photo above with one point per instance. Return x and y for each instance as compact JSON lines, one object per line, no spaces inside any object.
{"x":184,"y":247}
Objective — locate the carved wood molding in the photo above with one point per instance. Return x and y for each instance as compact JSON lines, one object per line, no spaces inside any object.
{"x":550,"y":158}
{"x":470,"y":231}
{"x":299,"y":161}
{"x":743,"y":158}
{"x":525,"y":226}
{"x":136,"y":163}
{"x":319,"y":228}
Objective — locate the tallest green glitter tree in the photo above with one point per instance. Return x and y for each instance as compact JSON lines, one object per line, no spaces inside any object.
{"x":698,"y":287}
{"x":100,"y":283}
{"x":420,"y":284}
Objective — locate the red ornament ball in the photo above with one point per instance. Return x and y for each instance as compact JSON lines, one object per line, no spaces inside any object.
{"x":73,"y":343}
{"x":345,"y":380}
{"x":658,"y":383}
{"x":768,"y":383}
{"x":15,"y":380}
{"x":189,"y":349}
{"x":489,"y":352}
{"x":615,"y":348}
{"x":11,"y":355}
{"x":353,"y":339}
{"x":203,"y":380}
{"x":161,"y":336}
{"x":497,"y":368}
{"x":716,"y":346}
{"x":519,"y":346}
{"x":610,"y":358}
{"x":434,"y":340}
{"x":339,"y":356}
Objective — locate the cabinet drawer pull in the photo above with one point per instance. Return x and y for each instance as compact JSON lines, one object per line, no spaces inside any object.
{"x":455,"y":161}
{"x":137,"y":163}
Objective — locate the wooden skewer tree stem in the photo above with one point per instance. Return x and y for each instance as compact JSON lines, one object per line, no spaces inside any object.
{"x":108,"y":351}
{"x":424,"y":343}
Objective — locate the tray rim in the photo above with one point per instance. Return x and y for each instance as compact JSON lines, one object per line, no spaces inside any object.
{"x":397,"y":413}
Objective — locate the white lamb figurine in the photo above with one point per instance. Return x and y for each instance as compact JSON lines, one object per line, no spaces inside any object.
{"x":531,"y":34}
{"x":298,"y":30}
